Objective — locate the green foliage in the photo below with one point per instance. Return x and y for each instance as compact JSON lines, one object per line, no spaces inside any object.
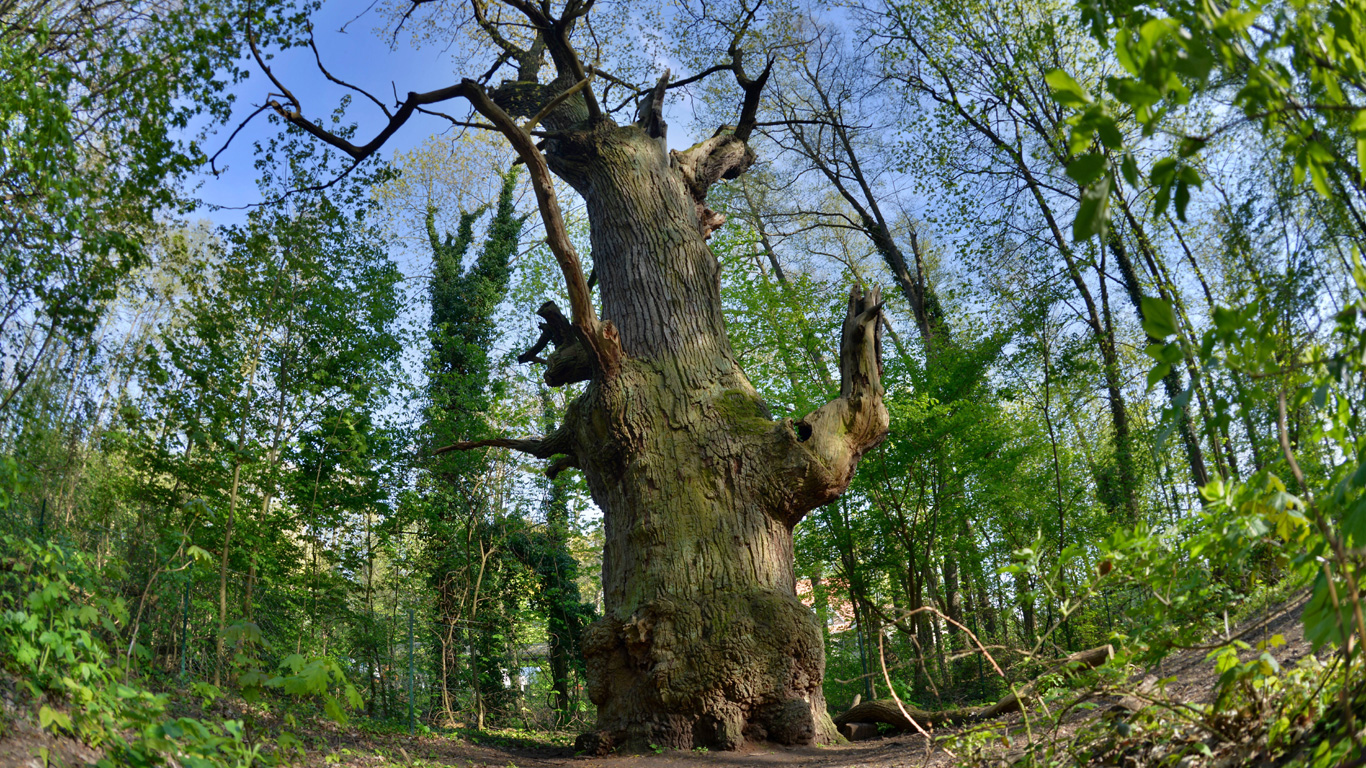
{"x":1289,"y":68}
{"x":90,"y":147}
{"x":57,"y":626}
{"x":1253,"y":533}
{"x":490,"y":569}
{"x":51,"y":636}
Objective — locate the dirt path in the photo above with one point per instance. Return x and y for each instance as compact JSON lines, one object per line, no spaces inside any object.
{"x":1195,"y":676}
{"x":905,"y":751}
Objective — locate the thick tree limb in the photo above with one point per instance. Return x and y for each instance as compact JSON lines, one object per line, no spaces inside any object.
{"x":599,"y":339}
{"x":557,"y":237}
{"x":726,"y":154}
{"x":835,"y":436}
{"x":753,"y":89}
{"x":723,"y":156}
{"x":558,"y":442}
{"x":538,"y":447}
{"x":560,"y":464}
{"x":553,"y":103}
{"x":556,"y":33}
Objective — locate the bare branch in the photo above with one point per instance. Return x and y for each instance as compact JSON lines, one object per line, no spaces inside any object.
{"x":319,"y":187}
{"x":294,"y":112}
{"x":609,"y":77}
{"x":557,"y":236}
{"x":460,"y":123}
{"x":540,"y":447}
{"x":396,"y":121}
{"x":490,"y":29}
{"x":727,"y":67}
{"x":555,"y":102}
{"x":413,"y":7}
{"x":213,"y":167}
{"x":319,"y":59}
{"x":491,"y":71}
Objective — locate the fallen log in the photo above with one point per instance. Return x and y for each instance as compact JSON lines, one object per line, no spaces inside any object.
{"x":887,"y":711}
{"x":859,"y":731}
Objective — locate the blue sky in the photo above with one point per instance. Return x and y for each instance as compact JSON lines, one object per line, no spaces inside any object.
{"x":359,"y":54}
{"x":354,"y":41}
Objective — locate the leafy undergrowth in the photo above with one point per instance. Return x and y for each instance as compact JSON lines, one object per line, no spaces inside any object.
{"x":518,"y":738}
{"x":1259,"y":695}
{"x":1256,"y":694}
{"x":71,"y":698}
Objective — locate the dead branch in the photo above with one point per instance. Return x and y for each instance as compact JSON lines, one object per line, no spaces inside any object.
{"x":541,"y":447}
{"x":888,"y":711}
{"x":882,"y":660}
{"x":569,"y":362}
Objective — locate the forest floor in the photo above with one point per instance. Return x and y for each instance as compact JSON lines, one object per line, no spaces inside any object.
{"x":1194,"y":682}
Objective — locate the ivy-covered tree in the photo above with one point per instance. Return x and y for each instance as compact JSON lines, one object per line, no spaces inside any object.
{"x":464,"y":526}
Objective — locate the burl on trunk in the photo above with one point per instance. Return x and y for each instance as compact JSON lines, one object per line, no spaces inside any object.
{"x":703,"y":642}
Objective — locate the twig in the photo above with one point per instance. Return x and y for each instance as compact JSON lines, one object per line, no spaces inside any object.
{"x":882,"y":659}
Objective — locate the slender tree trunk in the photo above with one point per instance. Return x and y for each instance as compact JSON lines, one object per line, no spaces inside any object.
{"x":223,"y":570}
{"x":809,"y":342}
{"x":1023,"y":594}
{"x":1125,"y":496}
{"x":953,"y":606}
{"x":1172,"y":381}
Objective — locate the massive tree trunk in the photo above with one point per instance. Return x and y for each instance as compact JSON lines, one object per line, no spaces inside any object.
{"x":703,"y":641}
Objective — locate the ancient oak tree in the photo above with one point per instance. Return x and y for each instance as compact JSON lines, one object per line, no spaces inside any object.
{"x":704,"y":642}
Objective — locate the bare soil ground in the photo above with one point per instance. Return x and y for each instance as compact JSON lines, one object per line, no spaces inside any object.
{"x":896,"y":752}
{"x":21,"y":742}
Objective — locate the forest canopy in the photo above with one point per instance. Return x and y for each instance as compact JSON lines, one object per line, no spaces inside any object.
{"x":694,"y":377}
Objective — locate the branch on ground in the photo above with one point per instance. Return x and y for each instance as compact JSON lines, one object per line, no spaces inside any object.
{"x":887,"y":711}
